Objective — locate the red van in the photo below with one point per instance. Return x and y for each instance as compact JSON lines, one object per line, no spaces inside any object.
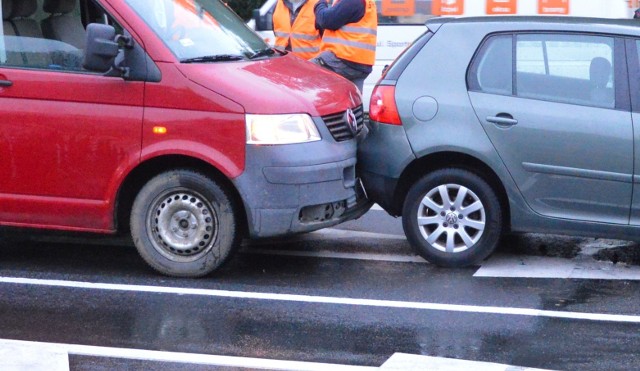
{"x":171,"y":120}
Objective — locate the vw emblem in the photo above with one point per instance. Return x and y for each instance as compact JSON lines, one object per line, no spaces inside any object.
{"x":351,"y":121}
{"x":451,"y":218}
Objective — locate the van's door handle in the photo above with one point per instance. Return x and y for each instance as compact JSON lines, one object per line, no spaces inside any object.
{"x":502,"y":119}
{"x":6,"y":83}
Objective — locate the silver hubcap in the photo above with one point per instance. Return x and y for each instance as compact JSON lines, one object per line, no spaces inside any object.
{"x":451,"y":218}
{"x":183,"y":225}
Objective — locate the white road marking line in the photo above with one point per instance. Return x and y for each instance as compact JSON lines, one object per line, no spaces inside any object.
{"x":516,"y":266}
{"x":191,"y":358}
{"x":376,"y":207}
{"x":412,"y":362}
{"x":345,"y":233}
{"x":328,"y":300}
{"x":252,"y":247}
{"x":339,"y":255}
{"x":30,"y":357}
{"x":21,"y":355}
{"x":507,"y":266}
{"x":499,"y":265}
{"x":323,"y":235}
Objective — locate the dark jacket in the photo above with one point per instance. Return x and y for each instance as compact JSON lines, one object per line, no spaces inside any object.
{"x":335,"y":16}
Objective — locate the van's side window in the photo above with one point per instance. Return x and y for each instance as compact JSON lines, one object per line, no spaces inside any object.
{"x":571,"y":68}
{"x":47,"y":34}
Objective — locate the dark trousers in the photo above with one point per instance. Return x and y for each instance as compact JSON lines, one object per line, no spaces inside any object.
{"x":329,"y":61}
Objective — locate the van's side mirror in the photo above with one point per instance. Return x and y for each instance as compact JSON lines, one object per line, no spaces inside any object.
{"x":101,"y":48}
{"x":263,"y":22}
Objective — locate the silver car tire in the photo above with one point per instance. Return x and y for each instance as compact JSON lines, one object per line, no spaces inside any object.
{"x":184,"y":224}
{"x":452,"y":218}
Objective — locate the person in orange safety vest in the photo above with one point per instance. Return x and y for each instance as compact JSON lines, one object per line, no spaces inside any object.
{"x":349,"y":39}
{"x":295,"y":28}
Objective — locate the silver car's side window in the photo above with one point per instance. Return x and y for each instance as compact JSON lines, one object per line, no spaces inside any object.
{"x":492,"y":70}
{"x":566,"y":68}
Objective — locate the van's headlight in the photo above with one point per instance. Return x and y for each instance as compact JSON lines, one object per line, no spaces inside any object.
{"x":281,"y":129}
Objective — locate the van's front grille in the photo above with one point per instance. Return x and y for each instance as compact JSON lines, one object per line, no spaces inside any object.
{"x":339,"y":126}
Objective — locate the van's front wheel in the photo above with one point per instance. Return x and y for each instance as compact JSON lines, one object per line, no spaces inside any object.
{"x":183,"y":224}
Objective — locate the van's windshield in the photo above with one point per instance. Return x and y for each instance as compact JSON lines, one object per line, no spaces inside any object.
{"x":200,"y":31}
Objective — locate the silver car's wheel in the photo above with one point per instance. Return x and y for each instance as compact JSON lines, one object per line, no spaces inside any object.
{"x":183,"y":224}
{"x":452,"y":217}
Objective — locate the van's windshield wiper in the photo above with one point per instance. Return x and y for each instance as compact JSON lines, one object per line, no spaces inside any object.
{"x":213,"y":58}
{"x":262,"y":53}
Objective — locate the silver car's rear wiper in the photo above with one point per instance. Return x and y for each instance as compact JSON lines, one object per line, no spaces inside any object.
{"x":213,"y":58}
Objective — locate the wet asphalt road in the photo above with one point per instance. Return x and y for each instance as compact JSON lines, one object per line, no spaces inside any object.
{"x":353,"y":333}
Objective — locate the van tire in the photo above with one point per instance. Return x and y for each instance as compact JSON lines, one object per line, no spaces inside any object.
{"x":449,"y":233}
{"x":183,"y":224}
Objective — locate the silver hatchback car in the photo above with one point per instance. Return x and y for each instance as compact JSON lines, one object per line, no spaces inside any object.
{"x":524,"y":124}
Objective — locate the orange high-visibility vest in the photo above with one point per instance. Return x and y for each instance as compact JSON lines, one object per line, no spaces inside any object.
{"x":355,"y":42}
{"x":305,"y":39}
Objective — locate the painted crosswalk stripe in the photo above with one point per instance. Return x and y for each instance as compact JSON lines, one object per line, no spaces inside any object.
{"x":585,"y":267}
{"x":413,"y":362}
{"x":163,"y":356}
{"x":34,"y":355}
{"x":328,"y":300}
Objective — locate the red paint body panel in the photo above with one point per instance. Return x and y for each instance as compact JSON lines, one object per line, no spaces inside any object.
{"x":69,"y":140}
{"x":200,"y":123}
{"x":178,"y":92}
{"x":66,"y":140}
{"x":217,"y":138}
{"x":278,"y":85}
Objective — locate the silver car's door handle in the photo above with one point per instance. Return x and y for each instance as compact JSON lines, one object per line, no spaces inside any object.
{"x":502,"y":119}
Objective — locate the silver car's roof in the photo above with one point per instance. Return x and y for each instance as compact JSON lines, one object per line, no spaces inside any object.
{"x":629,"y":27}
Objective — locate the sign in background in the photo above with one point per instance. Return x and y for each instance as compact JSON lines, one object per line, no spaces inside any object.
{"x":398,"y":8}
{"x":502,"y":6}
{"x":553,"y":7}
{"x":447,"y":7}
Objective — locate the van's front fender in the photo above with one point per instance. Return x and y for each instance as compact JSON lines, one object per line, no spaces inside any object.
{"x":230,"y":162}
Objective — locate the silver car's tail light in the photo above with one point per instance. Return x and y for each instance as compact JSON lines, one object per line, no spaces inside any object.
{"x":382,"y":107}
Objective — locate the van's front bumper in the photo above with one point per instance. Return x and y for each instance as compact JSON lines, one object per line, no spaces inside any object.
{"x":303,"y":187}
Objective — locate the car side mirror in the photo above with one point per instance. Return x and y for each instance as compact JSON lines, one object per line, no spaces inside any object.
{"x":101,"y":48}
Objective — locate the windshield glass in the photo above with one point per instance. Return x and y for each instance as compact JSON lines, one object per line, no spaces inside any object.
{"x":200,"y":30}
